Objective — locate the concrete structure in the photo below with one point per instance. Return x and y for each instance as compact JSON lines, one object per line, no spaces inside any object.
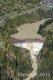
{"x":28,"y":38}
{"x":35,"y":47}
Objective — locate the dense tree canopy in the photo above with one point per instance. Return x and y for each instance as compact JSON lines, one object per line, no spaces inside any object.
{"x":45,"y":68}
{"x":13,"y":60}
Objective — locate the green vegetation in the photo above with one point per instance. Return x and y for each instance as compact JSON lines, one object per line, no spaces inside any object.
{"x":45,"y":57}
{"x":12,"y":7}
{"x":45,"y":12}
{"x":44,"y":26}
{"x":13,"y":61}
{"x":45,"y":67}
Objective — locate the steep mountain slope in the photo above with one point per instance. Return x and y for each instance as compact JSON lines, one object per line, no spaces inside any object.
{"x":45,"y":68}
{"x":14,"y":62}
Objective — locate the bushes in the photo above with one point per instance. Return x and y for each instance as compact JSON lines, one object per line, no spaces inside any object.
{"x":45,"y":12}
{"x":43,"y":26}
{"x":11,"y":56}
{"x":46,"y":54}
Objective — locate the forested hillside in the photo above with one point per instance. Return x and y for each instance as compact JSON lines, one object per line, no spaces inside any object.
{"x":22,"y":1}
{"x":45,"y":67}
{"x":45,"y":57}
{"x":13,"y":61}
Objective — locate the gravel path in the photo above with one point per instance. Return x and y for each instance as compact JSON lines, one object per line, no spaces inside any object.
{"x":34,"y":65}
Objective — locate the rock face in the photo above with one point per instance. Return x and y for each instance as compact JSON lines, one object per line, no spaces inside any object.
{"x":48,"y":2}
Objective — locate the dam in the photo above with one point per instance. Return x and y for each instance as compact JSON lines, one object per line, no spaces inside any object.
{"x":28,"y":38}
